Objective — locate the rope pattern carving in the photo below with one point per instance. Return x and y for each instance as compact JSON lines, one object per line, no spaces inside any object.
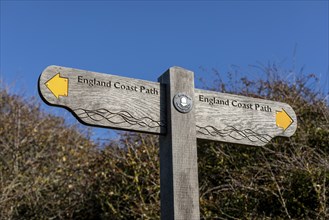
{"x":120,"y":117}
{"x":234,"y":133}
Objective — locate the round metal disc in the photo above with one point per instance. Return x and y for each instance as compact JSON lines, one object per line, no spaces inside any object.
{"x":182,"y":102}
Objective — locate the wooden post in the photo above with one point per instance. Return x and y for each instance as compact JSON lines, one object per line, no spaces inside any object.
{"x":178,"y":151}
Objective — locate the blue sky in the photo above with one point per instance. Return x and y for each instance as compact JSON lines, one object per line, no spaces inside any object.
{"x":141,"y":39}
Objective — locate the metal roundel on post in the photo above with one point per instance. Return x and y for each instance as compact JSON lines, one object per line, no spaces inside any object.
{"x":183,"y":103}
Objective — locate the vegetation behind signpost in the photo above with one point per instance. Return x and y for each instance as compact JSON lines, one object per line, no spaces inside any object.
{"x":51,"y":170}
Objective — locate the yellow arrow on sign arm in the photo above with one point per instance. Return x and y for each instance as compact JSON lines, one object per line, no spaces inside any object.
{"x":283,"y":120}
{"x":58,"y":85}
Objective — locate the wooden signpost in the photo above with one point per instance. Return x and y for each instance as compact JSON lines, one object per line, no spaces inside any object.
{"x":176,"y":111}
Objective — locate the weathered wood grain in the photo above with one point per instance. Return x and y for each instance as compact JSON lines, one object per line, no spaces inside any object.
{"x":107,"y":100}
{"x":178,"y":152}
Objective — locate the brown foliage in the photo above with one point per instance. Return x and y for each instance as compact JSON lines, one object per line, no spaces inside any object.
{"x":44,"y":164}
{"x":128,"y":184}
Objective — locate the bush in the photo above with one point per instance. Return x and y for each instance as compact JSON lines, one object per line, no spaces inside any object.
{"x":128,"y":184}
{"x":44,"y":164}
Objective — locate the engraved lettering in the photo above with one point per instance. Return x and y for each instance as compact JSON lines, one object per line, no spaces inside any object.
{"x":152,"y":91}
{"x":214,"y":100}
{"x":118,"y":85}
{"x":80,"y":79}
{"x":201,"y":98}
{"x":265,"y":108}
{"x":237,"y":104}
{"x":94,"y":82}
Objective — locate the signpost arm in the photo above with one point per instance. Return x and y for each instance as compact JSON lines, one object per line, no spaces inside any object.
{"x":178,"y":151}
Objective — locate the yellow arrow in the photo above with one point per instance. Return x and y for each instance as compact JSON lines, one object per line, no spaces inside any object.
{"x":58,"y":85}
{"x":283,"y":120}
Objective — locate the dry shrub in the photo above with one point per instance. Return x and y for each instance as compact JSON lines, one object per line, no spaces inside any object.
{"x":44,"y":164}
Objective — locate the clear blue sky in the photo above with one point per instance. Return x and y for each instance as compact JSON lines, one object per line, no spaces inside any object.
{"x":141,"y":39}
